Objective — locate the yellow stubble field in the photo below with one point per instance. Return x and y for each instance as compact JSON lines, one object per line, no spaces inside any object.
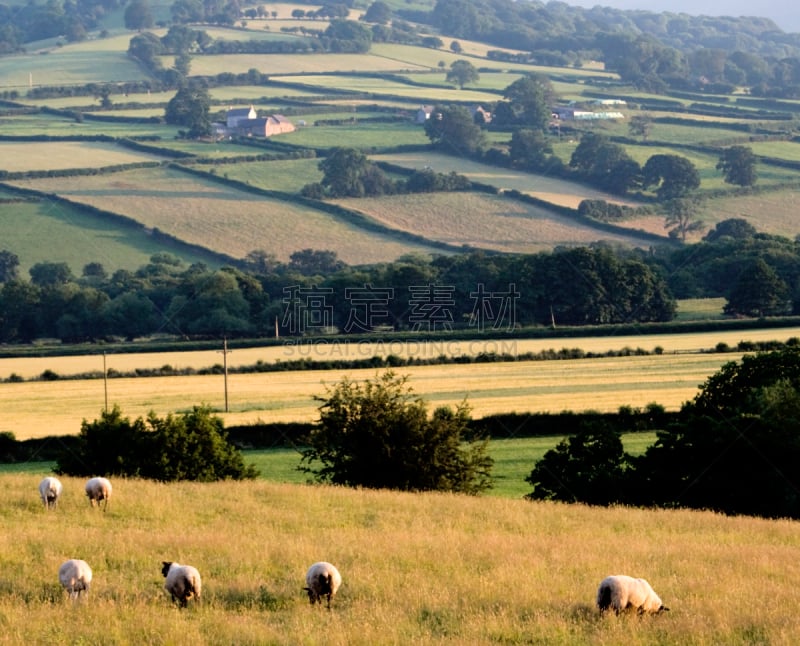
{"x":41,"y":408}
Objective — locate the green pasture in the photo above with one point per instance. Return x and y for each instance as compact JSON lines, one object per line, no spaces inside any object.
{"x":50,"y":232}
{"x":57,"y":126}
{"x":358,"y":135}
{"x":289,"y":175}
{"x":513,"y":460}
{"x":700,"y":309}
{"x":59,"y":155}
{"x":376,"y":86}
{"x":64,"y":66}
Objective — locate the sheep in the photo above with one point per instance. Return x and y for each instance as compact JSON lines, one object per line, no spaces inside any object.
{"x":621,"y":592}
{"x":50,"y":491}
{"x":75,"y":576}
{"x":322,"y":580}
{"x":182,"y":582}
{"x":98,"y":490}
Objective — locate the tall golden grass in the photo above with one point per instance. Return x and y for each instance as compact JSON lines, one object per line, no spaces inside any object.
{"x":417,"y":568}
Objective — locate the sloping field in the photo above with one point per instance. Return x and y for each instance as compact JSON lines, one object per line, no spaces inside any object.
{"x":59,"y":155}
{"x":221,"y":218}
{"x":50,"y":232}
{"x":551,"y":189}
{"x":772,"y":212}
{"x":382,"y":86}
{"x":65,"y":66}
{"x":278,"y":64}
{"x":483,"y":221}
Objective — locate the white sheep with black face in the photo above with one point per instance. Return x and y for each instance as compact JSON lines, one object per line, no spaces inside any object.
{"x":322,"y":580}
{"x":98,"y":490}
{"x":182,"y":582}
{"x":50,"y":491}
{"x":621,"y":592}
{"x":75,"y":576}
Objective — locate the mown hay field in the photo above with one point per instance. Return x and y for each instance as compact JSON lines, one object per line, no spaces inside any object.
{"x":416,"y":568}
{"x":772,"y":212}
{"x":221,"y":218}
{"x":40,"y":408}
{"x":483,"y":221}
{"x":60,"y":155}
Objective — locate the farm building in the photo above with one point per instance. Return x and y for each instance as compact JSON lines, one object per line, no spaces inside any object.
{"x":571,"y":114}
{"x":423,"y":114}
{"x":245,"y":122}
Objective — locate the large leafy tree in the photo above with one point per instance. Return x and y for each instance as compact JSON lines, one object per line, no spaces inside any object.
{"x":348,"y":173}
{"x":759,"y":291}
{"x":461,"y":73}
{"x":738,"y":165}
{"x":673,"y":176}
{"x":190,"y":108}
{"x":530,"y":98}
{"x":138,"y":15}
{"x":738,"y":447}
{"x":452,"y":129}
{"x":378,"y":435}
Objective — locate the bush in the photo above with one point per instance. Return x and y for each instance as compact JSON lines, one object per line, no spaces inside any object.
{"x":378,"y":435}
{"x":191,"y":446}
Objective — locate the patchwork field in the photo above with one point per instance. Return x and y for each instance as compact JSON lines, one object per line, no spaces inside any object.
{"x":221,"y":218}
{"x":59,"y":155}
{"x":483,"y":221}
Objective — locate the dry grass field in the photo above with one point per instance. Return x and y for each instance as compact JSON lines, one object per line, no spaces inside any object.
{"x":41,"y":408}
{"x":24,"y":156}
{"x":416,"y":568}
{"x":483,"y":221}
{"x":221,"y":218}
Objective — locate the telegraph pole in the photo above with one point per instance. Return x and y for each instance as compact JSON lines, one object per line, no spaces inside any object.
{"x":225,"y":352}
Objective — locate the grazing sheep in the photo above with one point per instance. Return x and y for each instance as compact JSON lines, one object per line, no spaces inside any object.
{"x":50,"y":490}
{"x":322,"y":580}
{"x":98,"y":490}
{"x":75,"y":575}
{"x":183,"y":582}
{"x":621,"y":592}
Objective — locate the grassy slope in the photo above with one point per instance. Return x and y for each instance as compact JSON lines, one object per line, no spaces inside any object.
{"x":427,"y":569}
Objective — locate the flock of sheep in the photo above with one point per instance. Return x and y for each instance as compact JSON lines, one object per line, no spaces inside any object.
{"x":182,"y":582}
{"x":618,"y":593}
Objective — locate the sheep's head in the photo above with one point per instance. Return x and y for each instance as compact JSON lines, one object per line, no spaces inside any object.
{"x":165,"y":566}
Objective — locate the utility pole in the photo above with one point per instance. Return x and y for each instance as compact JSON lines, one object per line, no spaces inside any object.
{"x":225,"y":352}
{"x":105,"y":382}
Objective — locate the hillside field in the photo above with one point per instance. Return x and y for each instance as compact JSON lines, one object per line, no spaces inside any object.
{"x":416,"y":568}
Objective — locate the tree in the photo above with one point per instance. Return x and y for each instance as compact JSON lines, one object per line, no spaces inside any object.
{"x":737,"y":446}
{"x":531,"y":98}
{"x":48,"y":274}
{"x":138,"y":15}
{"x":9,"y":266}
{"x":190,"y":108}
{"x":529,"y":149}
{"x":348,"y":173}
{"x":589,"y":467}
{"x":348,"y":36}
{"x":640,"y":125}
{"x":738,"y":165}
{"x":681,"y":220}
{"x":759,"y":291}
{"x":673,"y":175}
{"x":378,"y":12}
{"x":734,"y":228}
{"x":462,"y":72}
{"x":378,"y":435}
{"x":453,"y":129}
{"x":455,"y":47}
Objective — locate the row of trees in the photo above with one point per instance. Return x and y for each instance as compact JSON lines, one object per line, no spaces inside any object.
{"x":734,"y":449}
{"x":314,"y":293}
